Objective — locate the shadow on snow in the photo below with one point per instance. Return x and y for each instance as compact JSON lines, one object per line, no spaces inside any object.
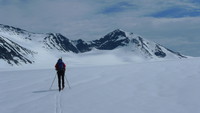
{"x":43,"y":91}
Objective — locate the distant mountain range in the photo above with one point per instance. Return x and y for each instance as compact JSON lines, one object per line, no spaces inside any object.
{"x":18,"y":46}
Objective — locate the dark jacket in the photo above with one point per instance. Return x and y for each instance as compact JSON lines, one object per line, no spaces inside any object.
{"x":60,"y":65}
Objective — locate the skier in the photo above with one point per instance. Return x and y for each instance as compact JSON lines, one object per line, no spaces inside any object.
{"x":60,"y":68}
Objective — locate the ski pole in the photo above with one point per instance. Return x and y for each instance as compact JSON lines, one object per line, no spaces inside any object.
{"x":52,"y":83}
{"x":67,"y":82}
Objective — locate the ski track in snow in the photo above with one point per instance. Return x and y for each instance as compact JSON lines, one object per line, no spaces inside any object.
{"x":158,"y":87}
{"x":58,"y":102}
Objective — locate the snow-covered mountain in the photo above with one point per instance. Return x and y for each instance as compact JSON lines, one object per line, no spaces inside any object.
{"x":138,"y":45}
{"x":13,"y":53}
{"x":19,"y":46}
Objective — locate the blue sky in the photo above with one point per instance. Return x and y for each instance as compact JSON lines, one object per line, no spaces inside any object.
{"x":172,"y":23}
{"x":177,"y":12}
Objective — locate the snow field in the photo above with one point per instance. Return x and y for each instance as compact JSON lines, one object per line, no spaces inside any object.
{"x":148,"y":87}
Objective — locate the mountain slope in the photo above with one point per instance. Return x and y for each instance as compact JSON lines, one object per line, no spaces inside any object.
{"x":134,"y":43}
{"x":56,"y":45}
{"x":13,"y":53}
{"x":59,"y":42}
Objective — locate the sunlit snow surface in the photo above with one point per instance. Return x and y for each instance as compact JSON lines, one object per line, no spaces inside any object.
{"x":171,"y":86}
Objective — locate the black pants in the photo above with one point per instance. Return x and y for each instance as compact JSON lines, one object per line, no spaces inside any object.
{"x":61,"y":75}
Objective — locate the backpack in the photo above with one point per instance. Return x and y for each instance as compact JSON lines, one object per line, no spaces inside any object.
{"x":60,"y":66}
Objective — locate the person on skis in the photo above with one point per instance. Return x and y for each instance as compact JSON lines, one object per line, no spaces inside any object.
{"x":60,"y":68}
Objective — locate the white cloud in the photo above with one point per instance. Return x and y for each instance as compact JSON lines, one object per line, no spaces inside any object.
{"x":86,"y":19}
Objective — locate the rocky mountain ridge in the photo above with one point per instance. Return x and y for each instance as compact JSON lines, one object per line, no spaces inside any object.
{"x":18,"y":46}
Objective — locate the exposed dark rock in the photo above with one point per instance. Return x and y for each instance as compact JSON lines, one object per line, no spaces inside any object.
{"x":59,"y":42}
{"x":111,"y":41}
{"x":82,"y":46}
{"x":159,"y":52}
{"x":13,"y":53}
